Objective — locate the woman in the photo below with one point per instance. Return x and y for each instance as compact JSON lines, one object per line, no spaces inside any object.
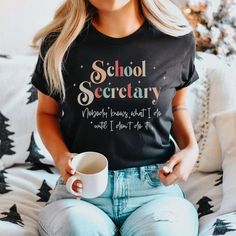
{"x":112,"y":78}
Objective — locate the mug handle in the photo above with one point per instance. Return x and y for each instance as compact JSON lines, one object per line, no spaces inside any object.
{"x":69,"y":184}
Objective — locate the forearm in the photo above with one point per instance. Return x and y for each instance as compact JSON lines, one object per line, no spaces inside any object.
{"x":182,"y":129}
{"x":51,"y":136}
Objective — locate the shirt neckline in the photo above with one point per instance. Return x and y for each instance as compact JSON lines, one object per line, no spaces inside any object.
{"x":110,"y":39}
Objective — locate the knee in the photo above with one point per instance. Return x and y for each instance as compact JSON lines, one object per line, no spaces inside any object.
{"x":161,"y":225}
{"x":163,"y":217}
{"x":180,"y":218}
{"x":164,"y":228}
{"x":73,"y":218}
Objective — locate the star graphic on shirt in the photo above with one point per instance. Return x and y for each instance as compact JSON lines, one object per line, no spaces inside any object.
{"x":164,"y":77}
{"x":81,"y":66}
{"x":91,"y":122}
{"x":131,"y":63}
{"x":74,"y":84}
{"x":154,"y":68}
{"x":139,"y":81}
{"x":109,"y":83}
{"x":108,"y":63}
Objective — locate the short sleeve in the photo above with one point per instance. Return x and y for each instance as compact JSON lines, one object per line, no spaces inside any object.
{"x":188,"y":72}
{"x":38,"y":77}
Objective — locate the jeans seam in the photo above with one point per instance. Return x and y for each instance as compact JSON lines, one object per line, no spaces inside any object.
{"x":145,"y":174}
{"x":153,"y":184}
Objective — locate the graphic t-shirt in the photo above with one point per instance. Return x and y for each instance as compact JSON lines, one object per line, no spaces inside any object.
{"x":119,"y":92}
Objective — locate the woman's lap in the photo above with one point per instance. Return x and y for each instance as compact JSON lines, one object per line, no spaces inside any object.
{"x":135,"y":200}
{"x":166,"y":216}
{"x":70,"y":217}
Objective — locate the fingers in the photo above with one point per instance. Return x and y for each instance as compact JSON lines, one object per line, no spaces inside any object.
{"x":69,"y":168}
{"x":77,"y":186}
{"x":179,"y":174}
{"x":68,"y":171}
{"x":66,"y":177}
{"x":168,"y":172}
{"x":168,"y":179}
{"x":168,"y":168}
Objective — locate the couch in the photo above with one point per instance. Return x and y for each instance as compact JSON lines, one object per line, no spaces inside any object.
{"x":28,"y":174}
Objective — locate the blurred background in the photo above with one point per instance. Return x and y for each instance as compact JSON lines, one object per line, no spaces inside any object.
{"x":20,"y":20}
{"x":214,"y":22}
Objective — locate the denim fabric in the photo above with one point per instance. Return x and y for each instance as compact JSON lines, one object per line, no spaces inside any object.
{"x":135,"y":202}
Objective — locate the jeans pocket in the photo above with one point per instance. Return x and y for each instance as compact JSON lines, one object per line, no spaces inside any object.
{"x":152,"y":177}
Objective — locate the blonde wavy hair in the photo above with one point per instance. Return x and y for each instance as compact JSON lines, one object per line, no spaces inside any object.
{"x":69,"y":20}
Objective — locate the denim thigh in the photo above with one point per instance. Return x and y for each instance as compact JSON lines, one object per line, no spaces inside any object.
{"x":129,"y":190}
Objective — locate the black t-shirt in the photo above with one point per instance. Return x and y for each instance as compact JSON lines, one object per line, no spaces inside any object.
{"x":119,"y":93}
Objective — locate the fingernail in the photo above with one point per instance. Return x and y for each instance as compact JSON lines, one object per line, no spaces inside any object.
{"x":167,"y":170}
{"x":72,"y":172}
{"x":79,"y":185}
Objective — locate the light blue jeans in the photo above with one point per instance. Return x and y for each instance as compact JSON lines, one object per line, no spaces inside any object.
{"x":135,"y":202}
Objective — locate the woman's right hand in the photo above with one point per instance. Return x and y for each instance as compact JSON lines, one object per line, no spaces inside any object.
{"x":66,"y":170}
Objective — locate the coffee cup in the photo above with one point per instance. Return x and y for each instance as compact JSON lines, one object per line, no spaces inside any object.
{"x":91,"y":168}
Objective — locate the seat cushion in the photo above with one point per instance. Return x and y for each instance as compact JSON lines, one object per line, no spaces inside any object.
{"x":24,"y":189}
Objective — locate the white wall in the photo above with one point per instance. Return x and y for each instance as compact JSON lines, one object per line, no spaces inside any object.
{"x":20,"y":20}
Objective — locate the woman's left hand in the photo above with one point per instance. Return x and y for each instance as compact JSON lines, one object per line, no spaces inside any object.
{"x":181,"y":163}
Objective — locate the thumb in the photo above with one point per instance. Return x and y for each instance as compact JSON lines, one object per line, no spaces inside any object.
{"x":168,"y":168}
{"x":70,"y":168}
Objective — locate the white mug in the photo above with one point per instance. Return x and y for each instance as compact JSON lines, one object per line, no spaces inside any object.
{"x":91,"y":168}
